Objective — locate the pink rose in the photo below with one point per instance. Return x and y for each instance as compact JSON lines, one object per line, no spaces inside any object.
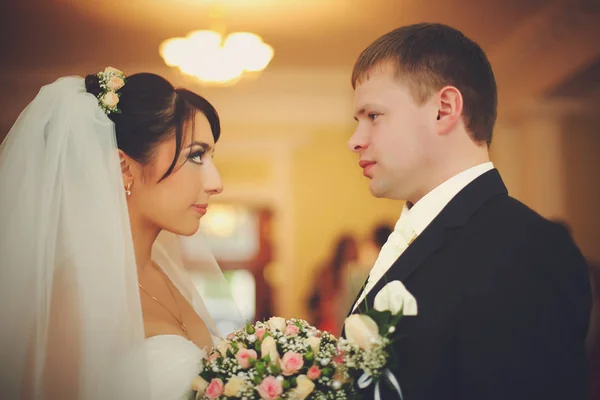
{"x":313,"y":373}
{"x":270,"y":388}
{"x":291,"y":330}
{"x":339,"y":357}
{"x":291,"y":363}
{"x":215,"y":389}
{"x":260,"y":332}
{"x":244,"y":356}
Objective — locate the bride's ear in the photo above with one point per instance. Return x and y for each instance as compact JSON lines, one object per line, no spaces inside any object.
{"x":126,"y":169}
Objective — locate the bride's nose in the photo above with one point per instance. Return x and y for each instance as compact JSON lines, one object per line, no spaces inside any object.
{"x":212,"y":181}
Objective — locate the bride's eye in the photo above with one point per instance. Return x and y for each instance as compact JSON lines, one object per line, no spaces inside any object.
{"x":196,"y":156}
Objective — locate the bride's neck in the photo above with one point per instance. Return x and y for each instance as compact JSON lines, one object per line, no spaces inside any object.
{"x":143,"y":236}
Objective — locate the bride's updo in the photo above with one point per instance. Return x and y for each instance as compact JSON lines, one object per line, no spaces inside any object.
{"x":151,"y":110}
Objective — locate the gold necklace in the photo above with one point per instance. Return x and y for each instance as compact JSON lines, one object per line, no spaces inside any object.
{"x":180,"y":319}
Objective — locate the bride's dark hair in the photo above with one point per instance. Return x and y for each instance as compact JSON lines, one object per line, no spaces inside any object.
{"x":152,"y":110}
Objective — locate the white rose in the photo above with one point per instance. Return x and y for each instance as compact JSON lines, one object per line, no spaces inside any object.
{"x":314,"y":343}
{"x":199,"y":385}
{"x":233,"y":386}
{"x":269,"y":347}
{"x":110,"y":99}
{"x":303,"y":390}
{"x":223,"y":346}
{"x":362,"y":331}
{"x":276,"y":324}
{"x":395,"y":298}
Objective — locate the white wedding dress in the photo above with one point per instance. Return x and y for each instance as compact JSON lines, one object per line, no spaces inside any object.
{"x":173,"y":363}
{"x":172,"y":360}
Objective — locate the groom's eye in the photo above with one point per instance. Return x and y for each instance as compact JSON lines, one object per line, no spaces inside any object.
{"x":373,"y":116}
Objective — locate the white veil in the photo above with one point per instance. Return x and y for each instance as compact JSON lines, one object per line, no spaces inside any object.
{"x":69,"y":301}
{"x":179,"y":257}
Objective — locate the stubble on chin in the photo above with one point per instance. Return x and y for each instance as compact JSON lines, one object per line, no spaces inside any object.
{"x":377,"y":189}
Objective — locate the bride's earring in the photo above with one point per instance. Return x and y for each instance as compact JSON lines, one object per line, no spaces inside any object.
{"x":128,"y":189}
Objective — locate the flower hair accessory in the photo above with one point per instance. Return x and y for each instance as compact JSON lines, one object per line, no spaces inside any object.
{"x":111,"y":80}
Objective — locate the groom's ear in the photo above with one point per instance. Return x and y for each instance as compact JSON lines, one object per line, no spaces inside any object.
{"x":450,"y":108}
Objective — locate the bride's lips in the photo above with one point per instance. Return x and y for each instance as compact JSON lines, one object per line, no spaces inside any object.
{"x":200,"y":208}
{"x":366,"y":166}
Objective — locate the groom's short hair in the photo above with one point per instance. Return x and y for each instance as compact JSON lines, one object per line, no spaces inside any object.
{"x":430,"y":56}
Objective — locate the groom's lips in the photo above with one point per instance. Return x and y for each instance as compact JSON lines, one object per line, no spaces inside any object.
{"x":366,"y":166}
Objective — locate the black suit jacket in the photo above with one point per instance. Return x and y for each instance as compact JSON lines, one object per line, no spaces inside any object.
{"x":504,"y":304}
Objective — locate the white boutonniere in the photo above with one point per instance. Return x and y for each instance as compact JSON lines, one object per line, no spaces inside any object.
{"x":396,"y":299}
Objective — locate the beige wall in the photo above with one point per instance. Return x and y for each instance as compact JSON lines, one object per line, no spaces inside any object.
{"x":331,"y":196}
{"x":317,"y":190}
{"x":582,"y":188}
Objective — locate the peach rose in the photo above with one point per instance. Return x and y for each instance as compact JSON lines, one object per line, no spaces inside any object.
{"x":313,"y":373}
{"x":234,"y":386}
{"x":276,"y":324}
{"x":215,"y":389}
{"x":291,"y":363}
{"x":260,"y":332}
{"x":303,"y":390}
{"x":314,"y":343}
{"x":111,"y":70}
{"x":291,"y":330}
{"x":199,"y":385}
{"x":223,"y":346}
{"x":110,"y":99}
{"x":244,"y":356}
{"x":362,"y":331}
{"x":270,"y":388}
{"x":115,"y":83}
{"x":269,"y":348}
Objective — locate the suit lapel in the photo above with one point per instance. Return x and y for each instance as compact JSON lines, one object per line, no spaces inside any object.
{"x":414,"y":255}
{"x":456,"y":214}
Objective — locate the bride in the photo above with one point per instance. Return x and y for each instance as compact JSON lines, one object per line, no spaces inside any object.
{"x":93,"y":306}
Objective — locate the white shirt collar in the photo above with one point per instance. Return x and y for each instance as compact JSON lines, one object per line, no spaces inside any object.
{"x":425,"y":210}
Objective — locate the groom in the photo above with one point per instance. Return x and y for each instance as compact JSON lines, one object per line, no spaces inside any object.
{"x":503,"y":294}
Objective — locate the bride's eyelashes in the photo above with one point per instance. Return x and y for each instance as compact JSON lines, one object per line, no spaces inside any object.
{"x":196,"y":156}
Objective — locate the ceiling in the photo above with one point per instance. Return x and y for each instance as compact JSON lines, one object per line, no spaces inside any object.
{"x":533,"y":45}
{"x":304,"y":33}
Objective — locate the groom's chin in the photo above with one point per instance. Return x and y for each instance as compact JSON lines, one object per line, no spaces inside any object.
{"x":376,"y":189}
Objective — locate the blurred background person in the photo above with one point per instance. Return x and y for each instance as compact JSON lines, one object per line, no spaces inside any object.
{"x":329,"y":285}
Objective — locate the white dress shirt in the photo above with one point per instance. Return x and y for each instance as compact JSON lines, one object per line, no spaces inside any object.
{"x":414,"y":220}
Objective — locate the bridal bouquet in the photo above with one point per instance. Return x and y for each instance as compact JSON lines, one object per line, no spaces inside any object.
{"x":275,"y":359}
{"x":290,"y":359}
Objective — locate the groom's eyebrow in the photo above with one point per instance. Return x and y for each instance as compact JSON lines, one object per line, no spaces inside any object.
{"x":362,"y":111}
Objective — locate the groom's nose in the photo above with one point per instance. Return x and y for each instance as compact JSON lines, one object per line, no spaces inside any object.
{"x":358,"y":141}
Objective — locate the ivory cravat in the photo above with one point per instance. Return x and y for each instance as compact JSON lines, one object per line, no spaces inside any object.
{"x":402,"y":236}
